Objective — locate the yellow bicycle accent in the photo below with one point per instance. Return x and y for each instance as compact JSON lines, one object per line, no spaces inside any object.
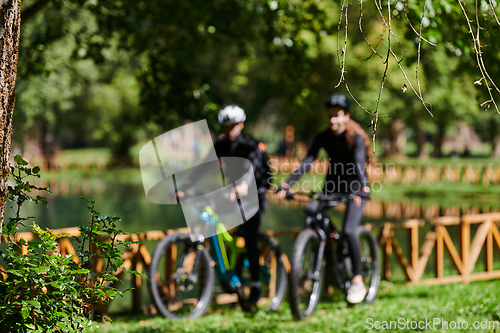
{"x":221,"y":229}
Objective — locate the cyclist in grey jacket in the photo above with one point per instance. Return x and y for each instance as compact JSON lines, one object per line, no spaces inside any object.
{"x":348,"y":147}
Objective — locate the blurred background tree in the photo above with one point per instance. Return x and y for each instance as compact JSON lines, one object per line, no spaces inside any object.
{"x":113,"y":73}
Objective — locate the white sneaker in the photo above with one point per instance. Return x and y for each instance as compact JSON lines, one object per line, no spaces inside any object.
{"x":356,"y":293}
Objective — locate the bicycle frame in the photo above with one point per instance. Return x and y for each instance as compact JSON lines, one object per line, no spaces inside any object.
{"x":317,"y":219}
{"x":225,"y":251}
{"x":226,"y":265}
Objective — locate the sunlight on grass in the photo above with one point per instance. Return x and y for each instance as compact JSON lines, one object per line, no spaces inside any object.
{"x":471,"y":302}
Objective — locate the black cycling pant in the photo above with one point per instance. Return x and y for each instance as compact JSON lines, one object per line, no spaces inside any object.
{"x":352,"y":218}
{"x":250,"y":231}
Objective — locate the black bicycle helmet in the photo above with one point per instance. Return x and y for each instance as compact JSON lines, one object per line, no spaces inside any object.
{"x":338,"y":99}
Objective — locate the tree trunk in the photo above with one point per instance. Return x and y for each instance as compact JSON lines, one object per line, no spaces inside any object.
{"x":494,"y":139}
{"x":438,"y":141}
{"x":121,"y":157}
{"x":10,"y":21}
{"x":47,"y":145}
{"x":421,"y":141}
{"x":397,"y":138}
{"x":466,"y":138}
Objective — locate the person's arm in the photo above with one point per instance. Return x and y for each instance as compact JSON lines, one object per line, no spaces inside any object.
{"x":196,"y":174}
{"x":360,"y":160}
{"x":302,"y":169}
{"x":254,"y":157}
{"x":312,"y":153}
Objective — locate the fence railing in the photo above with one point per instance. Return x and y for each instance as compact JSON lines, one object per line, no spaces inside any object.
{"x":395,"y":210}
{"x":400,"y":174}
{"x":437,"y":239}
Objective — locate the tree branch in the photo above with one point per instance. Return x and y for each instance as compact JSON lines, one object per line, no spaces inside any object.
{"x":479,"y":57}
{"x":412,"y":28}
{"x":418,"y":52}
{"x":361,"y":29}
{"x":344,"y":49}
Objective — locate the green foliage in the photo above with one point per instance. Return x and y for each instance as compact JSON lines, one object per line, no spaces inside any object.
{"x":130,"y":69}
{"x":20,"y":193}
{"x":42,"y":288}
{"x":69,"y":91}
{"x":44,"y":291}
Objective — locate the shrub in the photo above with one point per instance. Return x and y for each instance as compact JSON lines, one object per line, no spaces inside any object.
{"x":44,"y":291}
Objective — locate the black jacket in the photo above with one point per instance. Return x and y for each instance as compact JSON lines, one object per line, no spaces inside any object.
{"x":244,"y":146}
{"x":346,"y":171}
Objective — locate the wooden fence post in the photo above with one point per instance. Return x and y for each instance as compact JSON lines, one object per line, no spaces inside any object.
{"x":465,"y":244}
{"x":439,"y":251}
{"x":387,"y":250}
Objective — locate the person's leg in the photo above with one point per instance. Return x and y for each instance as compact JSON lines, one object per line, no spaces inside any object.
{"x":357,"y":291}
{"x":352,"y":219}
{"x":250,"y":233}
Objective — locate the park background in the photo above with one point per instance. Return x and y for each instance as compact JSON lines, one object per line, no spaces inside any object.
{"x":96,"y":80}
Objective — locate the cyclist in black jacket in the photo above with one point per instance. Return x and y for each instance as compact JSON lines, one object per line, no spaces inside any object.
{"x":234,"y":143}
{"x":348,"y":147}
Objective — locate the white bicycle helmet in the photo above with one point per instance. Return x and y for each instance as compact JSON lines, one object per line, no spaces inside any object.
{"x":231,"y":115}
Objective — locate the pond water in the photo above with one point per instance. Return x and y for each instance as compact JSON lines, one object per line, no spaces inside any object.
{"x":66,"y":209}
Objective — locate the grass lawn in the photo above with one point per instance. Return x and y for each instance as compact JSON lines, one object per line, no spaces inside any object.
{"x":478,"y":301}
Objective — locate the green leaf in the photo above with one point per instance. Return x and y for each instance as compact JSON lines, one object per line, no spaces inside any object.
{"x":41,"y":269}
{"x":34,"y":303}
{"x":25,"y":312}
{"x":108,"y":319}
{"x":82,"y":271}
{"x":135,"y":273}
{"x":36,"y":169}
{"x":55,"y":284}
{"x":19,"y":160}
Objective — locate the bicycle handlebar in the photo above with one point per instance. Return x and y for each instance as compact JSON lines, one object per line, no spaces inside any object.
{"x":320,"y":196}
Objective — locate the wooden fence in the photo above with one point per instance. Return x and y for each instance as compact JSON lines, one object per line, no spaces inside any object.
{"x":437,"y":239}
{"x":390,"y":173}
{"x":395,"y":210}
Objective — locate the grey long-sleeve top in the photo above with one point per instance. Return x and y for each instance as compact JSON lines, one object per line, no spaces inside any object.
{"x":346,"y":171}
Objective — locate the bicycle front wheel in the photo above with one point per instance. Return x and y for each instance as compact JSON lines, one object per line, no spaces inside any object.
{"x":305,"y":281}
{"x":370,"y":263}
{"x":181,"y":277}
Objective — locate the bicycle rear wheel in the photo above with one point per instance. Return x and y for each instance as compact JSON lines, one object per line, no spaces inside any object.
{"x":305,"y":282}
{"x":272,"y":277}
{"x":181,"y":277}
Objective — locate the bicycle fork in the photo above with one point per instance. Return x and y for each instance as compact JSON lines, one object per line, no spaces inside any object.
{"x":321,"y":253}
{"x":191,"y":278}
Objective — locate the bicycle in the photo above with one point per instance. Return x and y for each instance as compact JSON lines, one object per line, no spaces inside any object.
{"x":320,"y":244}
{"x":181,"y":273}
